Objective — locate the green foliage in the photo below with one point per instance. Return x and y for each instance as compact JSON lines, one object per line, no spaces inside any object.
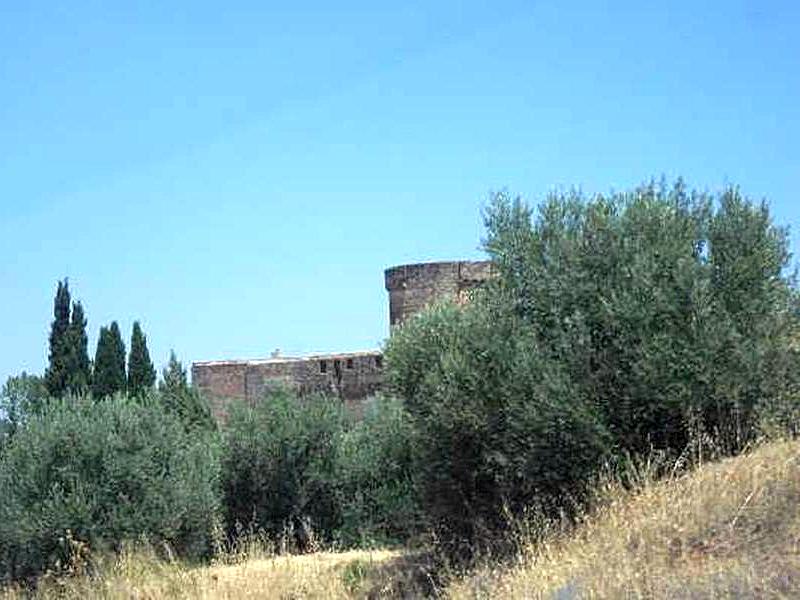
{"x":173,"y":376}
{"x":499,"y":425}
{"x":101,"y":473}
{"x":57,"y":375}
{"x":118,"y":354}
{"x":629,"y":322}
{"x":69,"y":370}
{"x":668,"y":308}
{"x":277,"y":463}
{"x":374,"y":475}
{"x":304,"y":465}
{"x":6,"y":431}
{"x":109,"y":363}
{"x":180,"y":399}
{"x":102,"y":383}
{"x":141,"y":373}
{"x":21,"y":397}
{"x":79,"y":368}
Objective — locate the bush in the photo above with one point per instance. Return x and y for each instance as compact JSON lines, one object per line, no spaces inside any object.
{"x":306,"y":466}
{"x":98,"y":473}
{"x":21,"y":396}
{"x":640,"y":321}
{"x":278,"y":465}
{"x":670,"y":309}
{"x":374,"y":475}
{"x":500,"y":427}
{"x":183,"y":400}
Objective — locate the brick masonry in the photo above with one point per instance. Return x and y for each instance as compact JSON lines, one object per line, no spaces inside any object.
{"x":353,"y":376}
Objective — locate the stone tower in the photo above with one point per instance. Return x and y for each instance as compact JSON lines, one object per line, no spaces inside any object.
{"x":412,"y":287}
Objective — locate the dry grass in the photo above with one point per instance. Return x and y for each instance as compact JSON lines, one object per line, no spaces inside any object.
{"x":140,"y":575}
{"x":727,"y":530}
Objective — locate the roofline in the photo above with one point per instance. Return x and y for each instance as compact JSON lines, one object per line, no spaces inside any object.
{"x":286,"y":359}
{"x":432,"y":263}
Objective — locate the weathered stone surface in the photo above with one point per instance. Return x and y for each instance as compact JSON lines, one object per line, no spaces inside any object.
{"x":352,"y":376}
{"x":413,"y":287}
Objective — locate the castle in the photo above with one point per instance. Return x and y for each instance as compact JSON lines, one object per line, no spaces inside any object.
{"x":352,"y":376}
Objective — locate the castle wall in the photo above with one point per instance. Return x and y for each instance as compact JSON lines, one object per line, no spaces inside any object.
{"x":413,"y":287}
{"x":352,"y":376}
{"x":220,"y":381}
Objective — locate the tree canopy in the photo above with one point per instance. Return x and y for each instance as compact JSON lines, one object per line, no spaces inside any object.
{"x":141,"y":373}
{"x":179,"y":398}
{"x":109,"y":363}
{"x":57,"y":375}
{"x":615,"y":325}
{"x":78,"y":365}
{"x":69,"y":369}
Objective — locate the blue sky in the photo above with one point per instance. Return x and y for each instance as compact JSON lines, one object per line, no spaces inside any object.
{"x":237,"y":176}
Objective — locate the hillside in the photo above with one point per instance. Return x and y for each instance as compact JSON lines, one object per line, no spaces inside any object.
{"x":727,"y":530}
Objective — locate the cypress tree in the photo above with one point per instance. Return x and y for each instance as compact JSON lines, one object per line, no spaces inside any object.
{"x":141,"y":373}
{"x":57,"y":375}
{"x":109,"y":362}
{"x":103,"y":359}
{"x":79,"y":370}
{"x":119,"y":357}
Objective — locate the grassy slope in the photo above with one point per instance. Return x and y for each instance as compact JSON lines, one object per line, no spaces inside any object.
{"x":727,"y":530}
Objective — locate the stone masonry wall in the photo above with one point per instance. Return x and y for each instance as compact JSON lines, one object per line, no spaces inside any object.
{"x":413,"y":287}
{"x":352,"y":376}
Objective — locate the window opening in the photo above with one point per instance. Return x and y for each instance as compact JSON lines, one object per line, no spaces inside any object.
{"x":337,"y":371}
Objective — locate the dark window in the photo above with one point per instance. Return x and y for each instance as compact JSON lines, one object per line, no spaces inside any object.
{"x":337,"y":371}
{"x":379,"y":362}
{"x":323,"y":366}
{"x":349,"y":363}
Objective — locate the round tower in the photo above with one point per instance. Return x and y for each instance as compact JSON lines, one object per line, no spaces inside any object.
{"x":412,"y":287}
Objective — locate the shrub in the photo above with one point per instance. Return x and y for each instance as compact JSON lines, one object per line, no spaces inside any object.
{"x":278,"y":465}
{"x":98,"y":473}
{"x":500,"y":426}
{"x":669,"y":309}
{"x":183,"y":400}
{"x":628,"y":323}
{"x":21,"y":396}
{"x":374,"y":475}
{"x":306,"y":466}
